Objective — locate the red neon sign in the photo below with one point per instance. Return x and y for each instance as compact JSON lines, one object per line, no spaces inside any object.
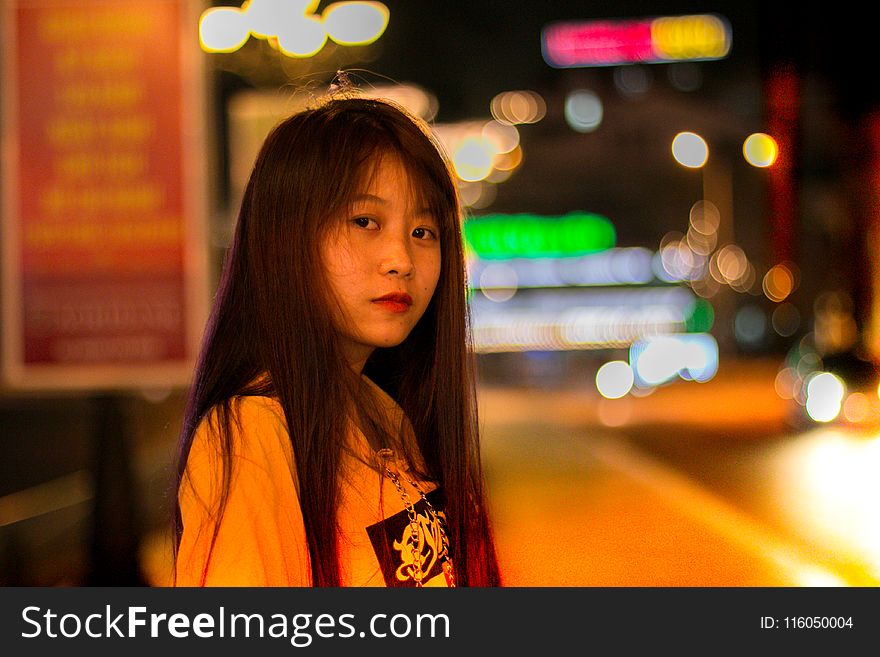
{"x":650,"y":40}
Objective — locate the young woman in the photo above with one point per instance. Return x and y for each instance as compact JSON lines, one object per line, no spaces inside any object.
{"x":331,"y":437}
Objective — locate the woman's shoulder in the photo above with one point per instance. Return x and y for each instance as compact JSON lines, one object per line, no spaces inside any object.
{"x":258,"y":408}
{"x":256,"y":428}
{"x":243,"y":412}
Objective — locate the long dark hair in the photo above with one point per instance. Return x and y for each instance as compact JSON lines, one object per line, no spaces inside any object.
{"x":260,"y":341}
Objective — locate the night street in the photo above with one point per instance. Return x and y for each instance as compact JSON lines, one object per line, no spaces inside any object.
{"x":700,"y":485}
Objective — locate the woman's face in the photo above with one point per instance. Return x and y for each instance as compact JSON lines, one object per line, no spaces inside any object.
{"x":382,"y":263}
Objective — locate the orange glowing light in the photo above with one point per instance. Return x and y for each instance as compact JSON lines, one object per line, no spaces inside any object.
{"x":778,"y":283}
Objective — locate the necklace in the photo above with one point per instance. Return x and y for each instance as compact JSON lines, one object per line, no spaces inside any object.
{"x":386,"y":457}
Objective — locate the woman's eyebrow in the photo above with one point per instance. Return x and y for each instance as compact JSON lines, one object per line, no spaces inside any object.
{"x":370,"y":197}
{"x":382,"y":201}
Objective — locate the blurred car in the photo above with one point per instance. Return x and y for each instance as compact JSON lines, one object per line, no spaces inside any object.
{"x":840,"y":388}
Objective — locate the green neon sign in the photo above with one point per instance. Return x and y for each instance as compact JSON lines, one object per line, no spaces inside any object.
{"x":502,"y":236}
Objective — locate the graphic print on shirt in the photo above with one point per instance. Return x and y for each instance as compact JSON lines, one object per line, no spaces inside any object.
{"x":392,"y":541}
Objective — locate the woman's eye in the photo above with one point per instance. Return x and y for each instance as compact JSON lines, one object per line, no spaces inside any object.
{"x":364,"y":222}
{"x":424,"y":234}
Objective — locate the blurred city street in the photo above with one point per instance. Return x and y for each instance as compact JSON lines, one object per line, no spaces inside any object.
{"x":698,"y":485}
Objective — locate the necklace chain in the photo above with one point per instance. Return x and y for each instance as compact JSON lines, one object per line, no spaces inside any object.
{"x":386,"y":455}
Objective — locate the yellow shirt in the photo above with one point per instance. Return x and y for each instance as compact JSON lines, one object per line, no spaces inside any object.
{"x":261,"y":539}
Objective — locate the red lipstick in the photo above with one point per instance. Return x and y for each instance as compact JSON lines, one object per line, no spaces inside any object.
{"x":396,"y":302}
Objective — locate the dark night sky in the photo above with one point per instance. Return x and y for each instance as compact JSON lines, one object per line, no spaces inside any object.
{"x":469,"y":51}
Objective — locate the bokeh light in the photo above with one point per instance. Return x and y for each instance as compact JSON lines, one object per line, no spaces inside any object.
{"x":291,"y":26}
{"x":303,"y":37}
{"x":264,"y":17}
{"x":729,"y":264}
{"x":632,"y":80}
{"x":760,"y":150}
{"x":614,"y":412}
{"x":786,"y":383}
{"x":857,"y":407}
{"x":685,"y":76}
{"x":690,"y":150}
{"x":477,"y":195}
{"x":510,"y":160}
{"x":825,"y":392}
{"x":706,"y":287}
{"x":473,"y":158}
{"x":223,"y":29}
{"x":583,"y":110}
{"x":750,"y":325}
{"x":746,"y":280}
{"x":779,"y":282}
{"x":355,"y":23}
{"x":498,"y":282}
{"x":481,"y":151}
{"x":700,"y":243}
{"x":786,"y":319}
{"x":658,"y":359}
{"x":678,"y":261}
{"x":614,"y":379}
{"x":503,"y":136}
{"x":514,"y":107}
{"x":704,"y":217}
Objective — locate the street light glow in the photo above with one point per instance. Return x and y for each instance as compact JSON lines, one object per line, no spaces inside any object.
{"x":504,"y":136}
{"x":473,"y":158}
{"x":760,"y":150}
{"x":515,"y":107}
{"x":614,"y":379}
{"x":303,"y":37}
{"x":778,"y":283}
{"x":705,"y":217}
{"x":298,"y":30}
{"x":223,"y":29}
{"x":690,"y":150}
{"x":355,"y":23}
{"x":583,"y":110}
{"x":825,"y":393}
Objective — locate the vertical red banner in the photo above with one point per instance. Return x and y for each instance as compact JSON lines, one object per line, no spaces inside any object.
{"x":783,"y":119}
{"x":103,"y":246}
{"x":870,"y":257}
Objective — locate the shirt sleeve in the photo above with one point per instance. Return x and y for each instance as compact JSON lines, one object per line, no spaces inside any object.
{"x":260,"y":538}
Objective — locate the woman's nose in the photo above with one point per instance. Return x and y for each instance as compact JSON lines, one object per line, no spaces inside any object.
{"x":396,"y":257}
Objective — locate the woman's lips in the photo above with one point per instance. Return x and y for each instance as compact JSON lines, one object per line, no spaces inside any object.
{"x":395,"y":302}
